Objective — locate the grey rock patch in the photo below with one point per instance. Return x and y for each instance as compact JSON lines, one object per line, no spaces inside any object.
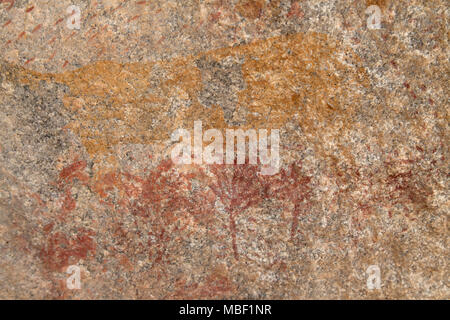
{"x":221,"y":81}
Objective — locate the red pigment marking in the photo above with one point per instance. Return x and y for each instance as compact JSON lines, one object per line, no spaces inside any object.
{"x":59,"y":21}
{"x":36,"y":28}
{"x":60,"y":251}
{"x":106,"y":183}
{"x":141,"y":2}
{"x":233,"y":237}
{"x":38,"y":199}
{"x":294,"y":224}
{"x":431,"y":101}
{"x":71,"y":35}
{"x":29,"y":9}
{"x":8,"y":42}
{"x":93,"y":16}
{"x":124,"y":182}
{"x":93,"y":36}
{"x":406,"y":85}
{"x":238,"y":188}
{"x":365,"y":208}
{"x":214,"y":17}
{"x":49,"y":227}
{"x":295,"y":11}
{"x":7,"y":23}
{"x":69,"y":173}
{"x":413,"y":95}
{"x":292,"y":186}
{"x":216,"y":286}
{"x":117,"y":8}
{"x":69,"y":203}
{"x":29,"y":60}
{"x":157,"y":199}
{"x":21,"y":35}
{"x":52,"y":40}
{"x":89,"y":31}
{"x":134,"y":18}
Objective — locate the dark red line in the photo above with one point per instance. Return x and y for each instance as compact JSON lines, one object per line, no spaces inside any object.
{"x":29,"y":9}
{"x":59,"y":21}
{"x":29,"y":60}
{"x":7,"y":23}
{"x":233,"y":236}
{"x":65,"y":64}
{"x":93,"y":37}
{"x":36,"y":28}
{"x":117,"y":8}
{"x":134,"y":18}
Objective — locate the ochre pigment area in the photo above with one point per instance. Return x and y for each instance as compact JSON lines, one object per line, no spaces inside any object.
{"x":298,"y":79}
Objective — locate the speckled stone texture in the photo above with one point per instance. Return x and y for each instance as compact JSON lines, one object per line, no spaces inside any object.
{"x":86,"y":176}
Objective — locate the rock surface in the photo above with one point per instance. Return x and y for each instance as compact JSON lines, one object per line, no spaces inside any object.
{"x":87,"y":180}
